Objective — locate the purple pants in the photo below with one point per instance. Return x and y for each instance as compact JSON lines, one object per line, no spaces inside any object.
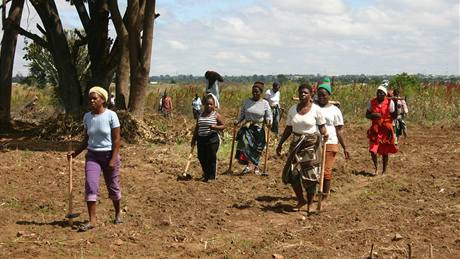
{"x":97,"y":161}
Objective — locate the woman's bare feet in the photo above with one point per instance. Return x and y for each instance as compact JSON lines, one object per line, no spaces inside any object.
{"x":299,"y":205}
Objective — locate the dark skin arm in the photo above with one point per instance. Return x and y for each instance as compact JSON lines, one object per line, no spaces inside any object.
{"x":116,"y":139}
{"x":339,"y":130}
{"x":286,"y":133}
{"x":373,"y":115}
{"x":83,"y":146}
{"x":220,"y":123}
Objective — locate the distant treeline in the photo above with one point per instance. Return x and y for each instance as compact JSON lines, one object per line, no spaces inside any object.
{"x":283,"y":78}
{"x":341,"y":79}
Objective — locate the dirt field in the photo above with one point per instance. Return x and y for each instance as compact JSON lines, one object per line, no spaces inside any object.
{"x":237,"y":216}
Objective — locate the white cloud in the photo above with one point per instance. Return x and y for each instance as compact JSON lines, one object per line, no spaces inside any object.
{"x":261,"y":55}
{"x":299,"y":36}
{"x":233,"y":57}
{"x":311,"y":6}
{"x":174,"y":44}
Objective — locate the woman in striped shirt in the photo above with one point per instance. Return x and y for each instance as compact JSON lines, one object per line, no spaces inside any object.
{"x":207,"y":138}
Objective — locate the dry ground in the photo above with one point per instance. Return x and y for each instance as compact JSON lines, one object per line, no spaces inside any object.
{"x":237,"y":216}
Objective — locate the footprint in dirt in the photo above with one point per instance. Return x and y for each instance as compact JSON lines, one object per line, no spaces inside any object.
{"x":362,"y":173}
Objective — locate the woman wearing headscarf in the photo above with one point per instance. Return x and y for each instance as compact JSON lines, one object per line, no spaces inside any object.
{"x":251,"y":137}
{"x":207,"y":137}
{"x":381,"y":111}
{"x":399,"y":124}
{"x":302,"y":169}
{"x":334,"y":127}
{"x":213,"y":78}
{"x":102,"y":139}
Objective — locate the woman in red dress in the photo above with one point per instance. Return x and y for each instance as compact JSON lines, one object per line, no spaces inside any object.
{"x":381,"y":111}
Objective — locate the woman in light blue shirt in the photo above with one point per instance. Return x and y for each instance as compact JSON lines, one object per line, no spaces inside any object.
{"x":102,"y":139}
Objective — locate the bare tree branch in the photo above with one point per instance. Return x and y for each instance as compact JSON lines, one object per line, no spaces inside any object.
{"x":82,"y":41}
{"x":85,"y":38}
{"x":4,"y":3}
{"x":149,"y":18}
{"x":83,"y":14}
{"x":37,"y":39}
{"x":3,"y":14}
{"x":40,"y":28}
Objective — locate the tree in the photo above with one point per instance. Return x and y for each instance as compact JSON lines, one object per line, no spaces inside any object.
{"x":122,"y":74}
{"x":132,"y":49}
{"x":140,"y":13}
{"x":7,"y":52}
{"x":56,"y":42}
{"x":41,"y":66}
{"x":95,"y":22}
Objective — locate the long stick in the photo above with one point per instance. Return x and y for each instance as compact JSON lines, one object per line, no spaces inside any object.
{"x":321,"y":179}
{"x":189,"y":160}
{"x":266,"y":151}
{"x":70,"y":159}
{"x":233,"y":146}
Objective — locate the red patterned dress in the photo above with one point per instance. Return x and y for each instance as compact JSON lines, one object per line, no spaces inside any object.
{"x":381,"y":134}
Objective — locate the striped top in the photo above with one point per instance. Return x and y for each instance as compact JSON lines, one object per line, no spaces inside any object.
{"x":205,"y":122}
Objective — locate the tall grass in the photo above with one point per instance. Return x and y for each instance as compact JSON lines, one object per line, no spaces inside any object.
{"x":428,"y":104}
{"x":22,"y":95}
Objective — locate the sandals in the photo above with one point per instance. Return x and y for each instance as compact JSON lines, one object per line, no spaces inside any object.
{"x":257,"y":171}
{"x":85,"y":227}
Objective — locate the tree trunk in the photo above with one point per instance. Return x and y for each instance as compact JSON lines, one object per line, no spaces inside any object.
{"x":140,"y":52}
{"x":122,"y":78}
{"x":98,"y":43}
{"x":96,"y":27}
{"x":7,"y":53}
{"x":69,"y":87}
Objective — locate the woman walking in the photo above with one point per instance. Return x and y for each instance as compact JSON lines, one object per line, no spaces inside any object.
{"x":306,"y":121}
{"x":251,"y":137}
{"x":334,"y":127}
{"x":205,"y":134}
{"x":381,"y":111}
{"x":102,"y":139}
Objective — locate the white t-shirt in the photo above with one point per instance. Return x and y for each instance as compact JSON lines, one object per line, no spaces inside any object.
{"x":196,"y":103}
{"x":334,"y":118}
{"x":307,"y":123}
{"x":272,"y":97}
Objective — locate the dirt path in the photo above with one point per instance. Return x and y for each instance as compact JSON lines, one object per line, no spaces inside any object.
{"x":237,"y":216}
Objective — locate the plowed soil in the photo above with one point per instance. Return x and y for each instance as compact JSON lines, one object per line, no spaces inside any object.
{"x":416,"y":203}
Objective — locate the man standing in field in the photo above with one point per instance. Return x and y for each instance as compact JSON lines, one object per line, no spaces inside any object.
{"x":196,"y":105}
{"x":166,"y":105}
{"x":273,"y":97}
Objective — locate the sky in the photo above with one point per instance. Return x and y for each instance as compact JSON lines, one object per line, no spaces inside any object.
{"x":329,"y":37}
